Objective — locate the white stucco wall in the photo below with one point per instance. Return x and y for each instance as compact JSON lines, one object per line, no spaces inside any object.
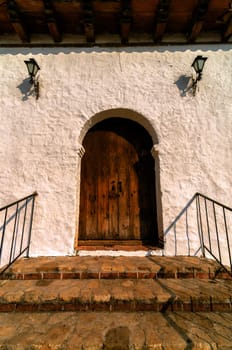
{"x":40,"y":140}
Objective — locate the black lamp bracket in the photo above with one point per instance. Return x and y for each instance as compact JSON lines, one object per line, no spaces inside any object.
{"x":36,"y":87}
{"x":33,"y":68}
{"x":198,"y":65}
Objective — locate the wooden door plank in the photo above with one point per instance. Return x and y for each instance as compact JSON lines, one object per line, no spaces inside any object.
{"x":113,"y":180}
{"x":123,"y":189}
{"x":103,"y":180}
{"x":134,"y":197}
{"x":92,"y":200}
{"x":89,"y":193}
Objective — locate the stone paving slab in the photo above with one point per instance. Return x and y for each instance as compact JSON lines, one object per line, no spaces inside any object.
{"x":116,"y":295}
{"x":70,"y":267}
{"x":121,"y":331}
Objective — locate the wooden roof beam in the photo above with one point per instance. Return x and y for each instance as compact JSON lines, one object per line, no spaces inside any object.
{"x":16,"y":21}
{"x":198,"y":19}
{"x":228,"y":32}
{"x":88,"y":21}
{"x":161,"y":19}
{"x":126,"y":20}
{"x":226,"y":19}
{"x":51,"y":21}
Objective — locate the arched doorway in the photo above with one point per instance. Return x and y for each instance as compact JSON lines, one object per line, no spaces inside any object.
{"x":117,"y":194}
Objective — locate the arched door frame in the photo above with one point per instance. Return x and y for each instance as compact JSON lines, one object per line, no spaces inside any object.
{"x":140,"y":119}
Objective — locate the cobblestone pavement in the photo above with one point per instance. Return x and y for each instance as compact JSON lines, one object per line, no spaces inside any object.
{"x":118,"y":331}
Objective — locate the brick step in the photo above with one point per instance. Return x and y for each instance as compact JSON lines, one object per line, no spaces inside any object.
{"x":116,"y":295}
{"x":111,"y":275}
{"x":114,"y":268}
{"x":91,"y":331}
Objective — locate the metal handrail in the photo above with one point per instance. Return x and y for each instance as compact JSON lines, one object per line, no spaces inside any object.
{"x":210,"y":222}
{"x":15,"y":229}
{"x":18,"y":201}
{"x":213,"y":200}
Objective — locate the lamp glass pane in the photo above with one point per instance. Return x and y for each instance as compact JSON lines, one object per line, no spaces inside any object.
{"x":201,"y":62}
{"x":30,"y":67}
{"x":36,"y":68}
{"x":195,"y":65}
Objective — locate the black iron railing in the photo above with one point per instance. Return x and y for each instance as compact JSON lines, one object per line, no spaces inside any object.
{"x":15,"y":230}
{"x":210,"y":222}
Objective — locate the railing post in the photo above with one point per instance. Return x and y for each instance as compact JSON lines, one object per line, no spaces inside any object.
{"x":174,"y":229}
{"x":187,"y":230}
{"x":227,"y":238}
{"x":216,"y":228}
{"x":30,"y":226}
{"x":23,"y":228}
{"x":199,"y":222}
{"x":3,"y":233}
{"x":14,"y":233}
{"x":207,"y":221}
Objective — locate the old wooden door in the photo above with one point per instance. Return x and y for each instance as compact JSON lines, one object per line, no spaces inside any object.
{"x":117,"y":201}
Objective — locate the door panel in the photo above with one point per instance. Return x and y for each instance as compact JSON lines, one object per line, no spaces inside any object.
{"x":116,"y":201}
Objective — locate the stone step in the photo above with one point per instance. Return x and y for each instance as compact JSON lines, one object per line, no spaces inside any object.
{"x":132,"y":295}
{"x":108,"y":331}
{"x":76,"y":267}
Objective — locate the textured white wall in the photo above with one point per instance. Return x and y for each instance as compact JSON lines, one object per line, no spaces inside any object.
{"x":40,"y":140}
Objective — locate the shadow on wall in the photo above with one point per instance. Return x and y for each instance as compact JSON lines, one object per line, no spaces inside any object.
{"x":184,"y":84}
{"x":26,"y":89}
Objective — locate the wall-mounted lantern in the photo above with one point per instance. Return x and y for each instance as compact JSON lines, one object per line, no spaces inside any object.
{"x":33,"y":68}
{"x":198,"y":65}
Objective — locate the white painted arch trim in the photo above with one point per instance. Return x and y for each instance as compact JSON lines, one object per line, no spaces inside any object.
{"x":119,"y":113}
